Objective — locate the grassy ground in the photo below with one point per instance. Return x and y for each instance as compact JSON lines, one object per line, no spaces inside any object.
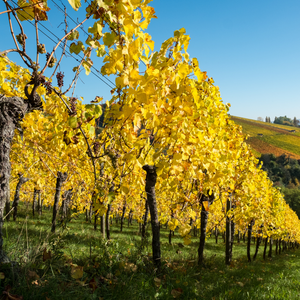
{"x":84,"y":266}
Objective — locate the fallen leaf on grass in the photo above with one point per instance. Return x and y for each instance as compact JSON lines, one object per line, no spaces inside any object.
{"x":240,"y":284}
{"x":93,"y":284}
{"x":157,"y":281}
{"x":260,"y":279}
{"x":2,"y":276}
{"x":46,"y":255}
{"x":76,"y":271}
{"x":32,"y":275}
{"x":35,"y":282}
{"x":176,"y":292}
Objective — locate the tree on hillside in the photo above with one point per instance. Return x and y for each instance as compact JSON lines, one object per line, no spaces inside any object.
{"x":296,"y":122}
{"x":268,"y":120}
{"x":283,"y":121}
{"x":260,"y":119}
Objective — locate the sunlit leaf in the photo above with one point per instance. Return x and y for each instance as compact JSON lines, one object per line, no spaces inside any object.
{"x":75,"y":4}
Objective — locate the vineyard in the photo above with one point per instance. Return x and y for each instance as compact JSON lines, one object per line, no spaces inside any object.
{"x":274,"y":138}
{"x":167,"y":154}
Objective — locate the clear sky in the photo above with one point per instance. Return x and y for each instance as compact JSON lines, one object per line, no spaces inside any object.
{"x":250,"y":48}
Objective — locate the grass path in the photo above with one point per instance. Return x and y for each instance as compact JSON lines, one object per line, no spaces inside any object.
{"x":122,"y":268}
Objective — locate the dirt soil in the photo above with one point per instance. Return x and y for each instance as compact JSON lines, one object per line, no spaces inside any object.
{"x":265,"y":148}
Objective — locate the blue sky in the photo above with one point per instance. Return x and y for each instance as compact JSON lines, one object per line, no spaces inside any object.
{"x":250,"y":48}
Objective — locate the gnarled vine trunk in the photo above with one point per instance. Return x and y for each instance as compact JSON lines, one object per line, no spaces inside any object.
{"x":145,"y":218}
{"x":12,"y":111}
{"x":40,"y":203}
{"x":66,"y":203}
{"x":204,"y":217}
{"x":151,"y":198}
{"x":15,"y":204}
{"x":228,"y":249}
{"x":250,"y":226}
{"x":34,"y":202}
{"x":122,"y":217}
{"x":61,"y":178}
{"x":111,"y":190}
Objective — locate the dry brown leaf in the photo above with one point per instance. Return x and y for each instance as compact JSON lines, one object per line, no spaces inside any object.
{"x":33,"y":275}
{"x":176,"y":293}
{"x":93,"y":284}
{"x":46,"y":255}
{"x":157,"y":281}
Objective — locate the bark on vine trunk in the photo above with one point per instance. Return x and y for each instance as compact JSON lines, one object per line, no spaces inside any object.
{"x":151,"y":198}
{"x":145,"y":219}
{"x":102,"y":225}
{"x":122,"y":217}
{"x":61,"y":178}
{"x":107,"y":221}
{"x":204,"y":217}
{"x":34,"y":201}
{"x":228,"y":253}
{"x":279,"y":246}
{"x":270,"y":248}
{"x":66,"y":203}
{"x":39,"y":203}
{"x":265,"y":249}
{"x":16,"y":201}
{"x":170,"y":237}
{"x":111,"y":191}
{"x":249,"y":239}
{"x":95,"y":220}
{"x":258,"y":241}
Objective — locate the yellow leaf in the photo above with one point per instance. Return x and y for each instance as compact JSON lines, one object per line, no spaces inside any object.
{"x":135,"y":2}
{"x":76,"y":271}
{"x":134,"y":75}
{"x":124,"y":190}
{"x":26,"y":13}
{"x":75,"y":4}
{"x":128,"y":28}
{"x":206,"y":205}
{"x":109,"y":38}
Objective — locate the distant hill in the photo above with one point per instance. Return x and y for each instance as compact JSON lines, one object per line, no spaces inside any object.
{"x":271,"y":138}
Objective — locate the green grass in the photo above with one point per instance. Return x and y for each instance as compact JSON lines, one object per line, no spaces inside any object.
{"x":123,"y":269}
{"x":285,"y":127}
{"x":286,"y":142}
